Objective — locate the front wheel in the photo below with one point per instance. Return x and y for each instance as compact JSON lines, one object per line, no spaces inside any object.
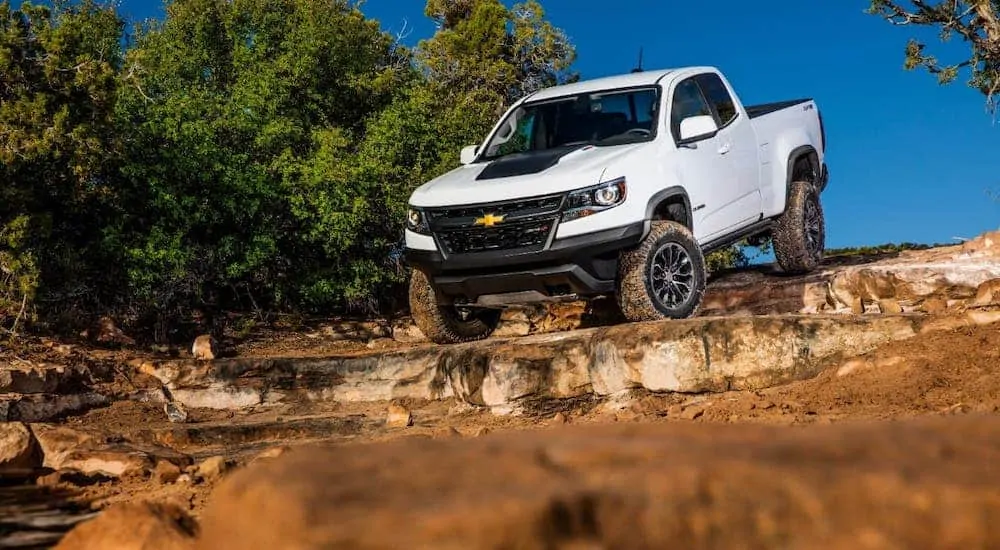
{"x":664,"y":277}
{"x":444,"y":324}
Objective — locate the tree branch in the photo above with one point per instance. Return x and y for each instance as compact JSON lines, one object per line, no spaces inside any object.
{"x":24,"y":305}
{"x":976,"y":21}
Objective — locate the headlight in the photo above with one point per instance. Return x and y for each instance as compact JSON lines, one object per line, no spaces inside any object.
{"x":416,"y":221}
{"x":592,"y":200}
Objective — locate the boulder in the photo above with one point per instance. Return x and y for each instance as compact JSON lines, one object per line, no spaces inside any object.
{"x":212,"y":468}
{"x":558,"y":317}
{"x":986,"y":245}
{"x":204,"y":348}
{"x":175,"y":412}
{"x":111,"y":462}
{"x":166,"y":472}
{"x":58,"y":443}
{"x":44,"y":379}
{"x":135,"y":526}
{"x":66,"y":449}
{"x":271,"y":452}
{"x":934,"y":306}
{"x":889,"y":306}
{"x":18,"y":449}
{"x":107,"y":332}
{"x":398,"y":417}
{"x":758,"y":292}
{"x":513,"y":322}
{"x":407,"y":333}
{"x":988,"y":294}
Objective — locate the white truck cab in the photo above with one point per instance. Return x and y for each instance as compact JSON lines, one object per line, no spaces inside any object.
{"x":614,"y":186}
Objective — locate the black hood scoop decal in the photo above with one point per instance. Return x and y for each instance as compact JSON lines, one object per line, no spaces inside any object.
{"x":523,"y":164}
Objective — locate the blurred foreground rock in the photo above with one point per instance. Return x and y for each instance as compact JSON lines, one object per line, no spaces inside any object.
{"x":135,"y":526}
{"x":628,"y":486}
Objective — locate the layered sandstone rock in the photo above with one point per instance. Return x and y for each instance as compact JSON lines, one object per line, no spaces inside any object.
{"x":68,"y":450}
{"x":47,"y":406}
{"x":926,"y":281}
{"x":694,"y":355}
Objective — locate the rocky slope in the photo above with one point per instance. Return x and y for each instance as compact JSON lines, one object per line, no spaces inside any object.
{"x":901,"y":337}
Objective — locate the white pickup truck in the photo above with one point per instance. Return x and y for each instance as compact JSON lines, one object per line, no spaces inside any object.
{"x":614,"y":186}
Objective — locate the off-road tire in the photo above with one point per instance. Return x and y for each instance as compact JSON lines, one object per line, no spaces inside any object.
{"x":799,"y":235}
{"x":441,"y":324}
{"x":635,"y":294}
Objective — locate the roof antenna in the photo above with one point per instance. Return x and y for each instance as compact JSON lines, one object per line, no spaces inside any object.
{"x":638,"y":69}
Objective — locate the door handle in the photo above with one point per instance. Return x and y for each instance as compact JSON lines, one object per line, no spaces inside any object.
{"x":724,"y":148}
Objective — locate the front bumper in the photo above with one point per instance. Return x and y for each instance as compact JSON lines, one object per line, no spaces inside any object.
{"x":584,"y":265}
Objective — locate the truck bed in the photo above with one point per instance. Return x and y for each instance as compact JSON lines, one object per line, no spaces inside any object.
{"x":762,"y":109}
{"x":796,"y":123}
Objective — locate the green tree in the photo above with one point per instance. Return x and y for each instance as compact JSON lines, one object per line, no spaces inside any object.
{"x":240,"y":153}
{"x":242,"y":118}
{"x":737,"y":256}
{"x":483,"y":44}
{"x":977,"y":22}
{"x":483,"y":57}
{"x":726,"y":258}
{"x":58,"y":144}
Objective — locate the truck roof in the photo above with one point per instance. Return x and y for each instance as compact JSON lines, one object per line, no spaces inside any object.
{"x":644,"y":78}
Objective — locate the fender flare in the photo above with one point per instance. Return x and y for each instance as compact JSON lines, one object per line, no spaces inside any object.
{"x":809,"y":152}
{"x":669,"y":193}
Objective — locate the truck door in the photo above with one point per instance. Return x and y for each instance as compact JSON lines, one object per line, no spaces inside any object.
{"x":738,"y":141}
{"x":704,"y":167}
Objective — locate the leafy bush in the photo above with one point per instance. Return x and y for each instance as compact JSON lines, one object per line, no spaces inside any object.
{"x":58,"y":153}
{"x":237,"y":154}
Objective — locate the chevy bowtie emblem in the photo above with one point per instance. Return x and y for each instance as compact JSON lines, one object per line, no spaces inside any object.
{"x":489,"y":220}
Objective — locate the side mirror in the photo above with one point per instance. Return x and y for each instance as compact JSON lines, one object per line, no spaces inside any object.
{"x":697,"y":127}
{"x":469,"y":154}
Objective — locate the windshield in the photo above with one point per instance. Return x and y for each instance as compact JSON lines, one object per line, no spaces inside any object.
{"x":614,"y":117}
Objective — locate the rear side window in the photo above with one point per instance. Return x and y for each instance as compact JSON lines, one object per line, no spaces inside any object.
{"x":717,"y":94}
{"x":687,"y":102}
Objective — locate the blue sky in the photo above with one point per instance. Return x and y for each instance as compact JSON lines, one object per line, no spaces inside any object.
{"x":909,"y":160}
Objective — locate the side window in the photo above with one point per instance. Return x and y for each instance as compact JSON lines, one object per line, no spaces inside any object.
{"x":718,"y":96}
{"x":687,"y":102}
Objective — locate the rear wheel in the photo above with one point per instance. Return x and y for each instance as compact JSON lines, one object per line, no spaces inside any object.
{"x":664,"y":277}
{"x":799,"y":235}
{"x":445,"y":324}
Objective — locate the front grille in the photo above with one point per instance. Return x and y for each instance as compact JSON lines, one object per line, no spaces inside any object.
{"x":522,"y":235}
{"x":527,"y":224}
